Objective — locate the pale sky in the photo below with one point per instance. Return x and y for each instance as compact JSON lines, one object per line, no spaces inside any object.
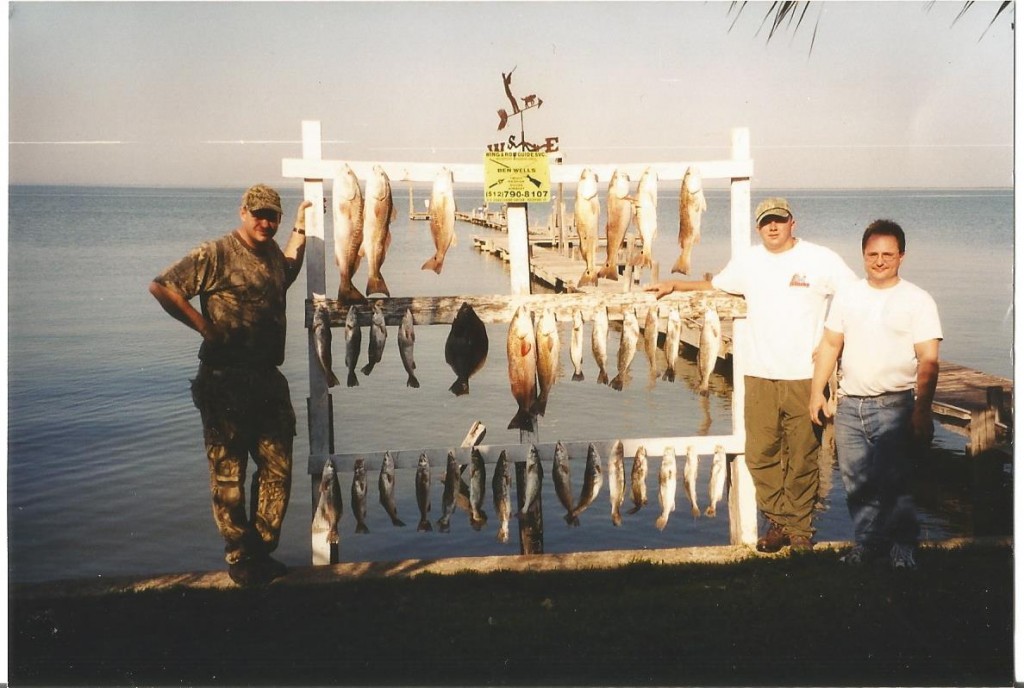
{"x":213,"y":94}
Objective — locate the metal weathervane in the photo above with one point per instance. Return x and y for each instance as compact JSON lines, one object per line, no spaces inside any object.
{"x":531,"y":101}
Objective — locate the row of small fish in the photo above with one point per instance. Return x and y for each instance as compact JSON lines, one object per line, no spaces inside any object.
{"x":471,"y":497}
{"x":362,"y":228}
{"x":330,"y":506}
{"x":622,"y":207}
{"x":710,"y":344}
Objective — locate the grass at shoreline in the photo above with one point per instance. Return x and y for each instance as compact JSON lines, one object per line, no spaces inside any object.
{"x":798,"y":620}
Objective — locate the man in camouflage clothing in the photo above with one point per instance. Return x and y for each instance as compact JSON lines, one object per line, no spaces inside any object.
{"x":241,"y":280}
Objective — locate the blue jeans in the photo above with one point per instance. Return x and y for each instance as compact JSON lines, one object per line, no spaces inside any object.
{"x":874,"y":442}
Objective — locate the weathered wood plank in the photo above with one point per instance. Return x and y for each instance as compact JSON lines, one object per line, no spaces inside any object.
{"x":499,"y":308}
{"x":298,"y":168}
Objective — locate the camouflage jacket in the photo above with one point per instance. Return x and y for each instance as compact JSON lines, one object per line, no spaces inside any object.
{"x":242,"y":292}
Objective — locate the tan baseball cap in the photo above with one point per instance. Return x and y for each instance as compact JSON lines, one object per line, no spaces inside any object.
{"x":772,"y":206}
{"x":261,"y":197}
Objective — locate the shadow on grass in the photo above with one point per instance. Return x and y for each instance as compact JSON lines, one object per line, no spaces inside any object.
{"x":799,"y":620}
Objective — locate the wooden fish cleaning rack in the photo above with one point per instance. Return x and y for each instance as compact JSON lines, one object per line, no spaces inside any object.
{"x":314,"y":170}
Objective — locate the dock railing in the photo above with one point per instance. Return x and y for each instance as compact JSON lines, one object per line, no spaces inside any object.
{"x":314,"y":171}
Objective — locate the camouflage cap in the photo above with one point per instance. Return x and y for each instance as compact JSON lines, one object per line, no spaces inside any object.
{"x":261,"y":197}
{"x":772,"y":206}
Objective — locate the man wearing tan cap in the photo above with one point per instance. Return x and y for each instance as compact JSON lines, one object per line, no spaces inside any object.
{"x":242,"y":397}
{"x":787,"y":283}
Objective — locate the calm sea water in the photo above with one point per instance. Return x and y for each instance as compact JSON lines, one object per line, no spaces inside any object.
{"x":107,"y":474}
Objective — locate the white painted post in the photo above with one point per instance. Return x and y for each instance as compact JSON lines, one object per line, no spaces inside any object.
{"x":742,"y":499}
{"x":321,"y":422}
{"x":518,"y":248}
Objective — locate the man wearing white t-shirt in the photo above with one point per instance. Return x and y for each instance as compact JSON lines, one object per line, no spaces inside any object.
{"x":887,"y":331}
{"x":787,"y":283}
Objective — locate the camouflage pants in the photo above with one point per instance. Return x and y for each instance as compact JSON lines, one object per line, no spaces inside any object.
{"x":247,"y":413}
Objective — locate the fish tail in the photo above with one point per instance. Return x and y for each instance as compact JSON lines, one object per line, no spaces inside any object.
{"x":348,"y":294}
{"x":576,"y":377}
{"x":412,"y":381}
{"x":571,"y":519}
{"x":460,"y":387}
{"x":642,"y":261}
{"x":332,"y":536}
{"x":636,"y":508}
{"x":539,"y":406}
{"x":503,"y":533}
{"x":710,"y":512}
{"x":397,"y":522}
{"x":703,"y":389}
{"x":521,"y":421}
{"x":368,"y":368}
{"x":361,"y":528}
{"x":670,"y":375}
{"x":695,"y":511}
{"x":353,"y":381}
{"x":443,"y":525}
{"x":682,"y":264}
{"x":434,"y":263}
{"x":424,"y":526}
{"x":616,"y":383}
{"x":587,"y":279}
{"x":602,"y":377}
{"x":609,"y":272}
{"x":377,"y":285}
{"x":661,"y":522}
{"x":616,"y":518}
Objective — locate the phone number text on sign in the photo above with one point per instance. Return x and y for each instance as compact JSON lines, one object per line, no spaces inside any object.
{"x":516,"y":177}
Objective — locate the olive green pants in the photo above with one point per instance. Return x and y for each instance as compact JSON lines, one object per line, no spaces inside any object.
{"x":247,"y":413}
{"x":782,"y":451}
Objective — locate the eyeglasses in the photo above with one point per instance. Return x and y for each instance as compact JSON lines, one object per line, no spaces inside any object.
{"x":266,"y":214}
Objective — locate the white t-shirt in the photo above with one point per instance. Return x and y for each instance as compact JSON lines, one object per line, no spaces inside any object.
{"x":880,"y":328}
{"x":787,"y":296}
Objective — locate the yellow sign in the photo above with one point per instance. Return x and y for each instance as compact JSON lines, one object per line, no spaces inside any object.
{"x":516,"y":177}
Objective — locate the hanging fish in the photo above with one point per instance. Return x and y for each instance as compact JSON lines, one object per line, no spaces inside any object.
{"x":386,"y":485}
{"x":501,"y":493}
{"x":548,"y":351}
{"x":586,"y":213}
{"x":616,"y":482}
{"x":329,"y":506}
{"x":353,"y":343}
{"x":690,"y":470}
{"x":378,"y":212}
{"x":716,"y":488}
{"x":592,"y":479}
{"x":423,"y":492}
{"x":562,"y":477}
{"x":534,"y":481}
{"x":359,"y":495}
{"x":452,"y":478}
{"x":465,"y":350}
{"x":647,"y":217}
{"x":620,"y":214}
{"x":692,"y":205}
{"x":651,"y":339}
{"x":710,"y":345}
{"x":322,"y":338}
{"x":599,"y":343}
{"x":627,"y":347}
{"x":673,"y":333}
{"x":378,"y":337}
{"x":477,"y":487}
{"x":576,"y":346}
{"x":442,"y":219}
{"x":638,"y":480}
{"x":347,"y":199}
{"x":522,"y":368}
{"x":666,"y":487}
{"x":406,"y":344}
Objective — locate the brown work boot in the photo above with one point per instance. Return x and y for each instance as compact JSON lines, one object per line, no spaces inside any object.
{"x":800,"y":543}
{"x":773,"y":540}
